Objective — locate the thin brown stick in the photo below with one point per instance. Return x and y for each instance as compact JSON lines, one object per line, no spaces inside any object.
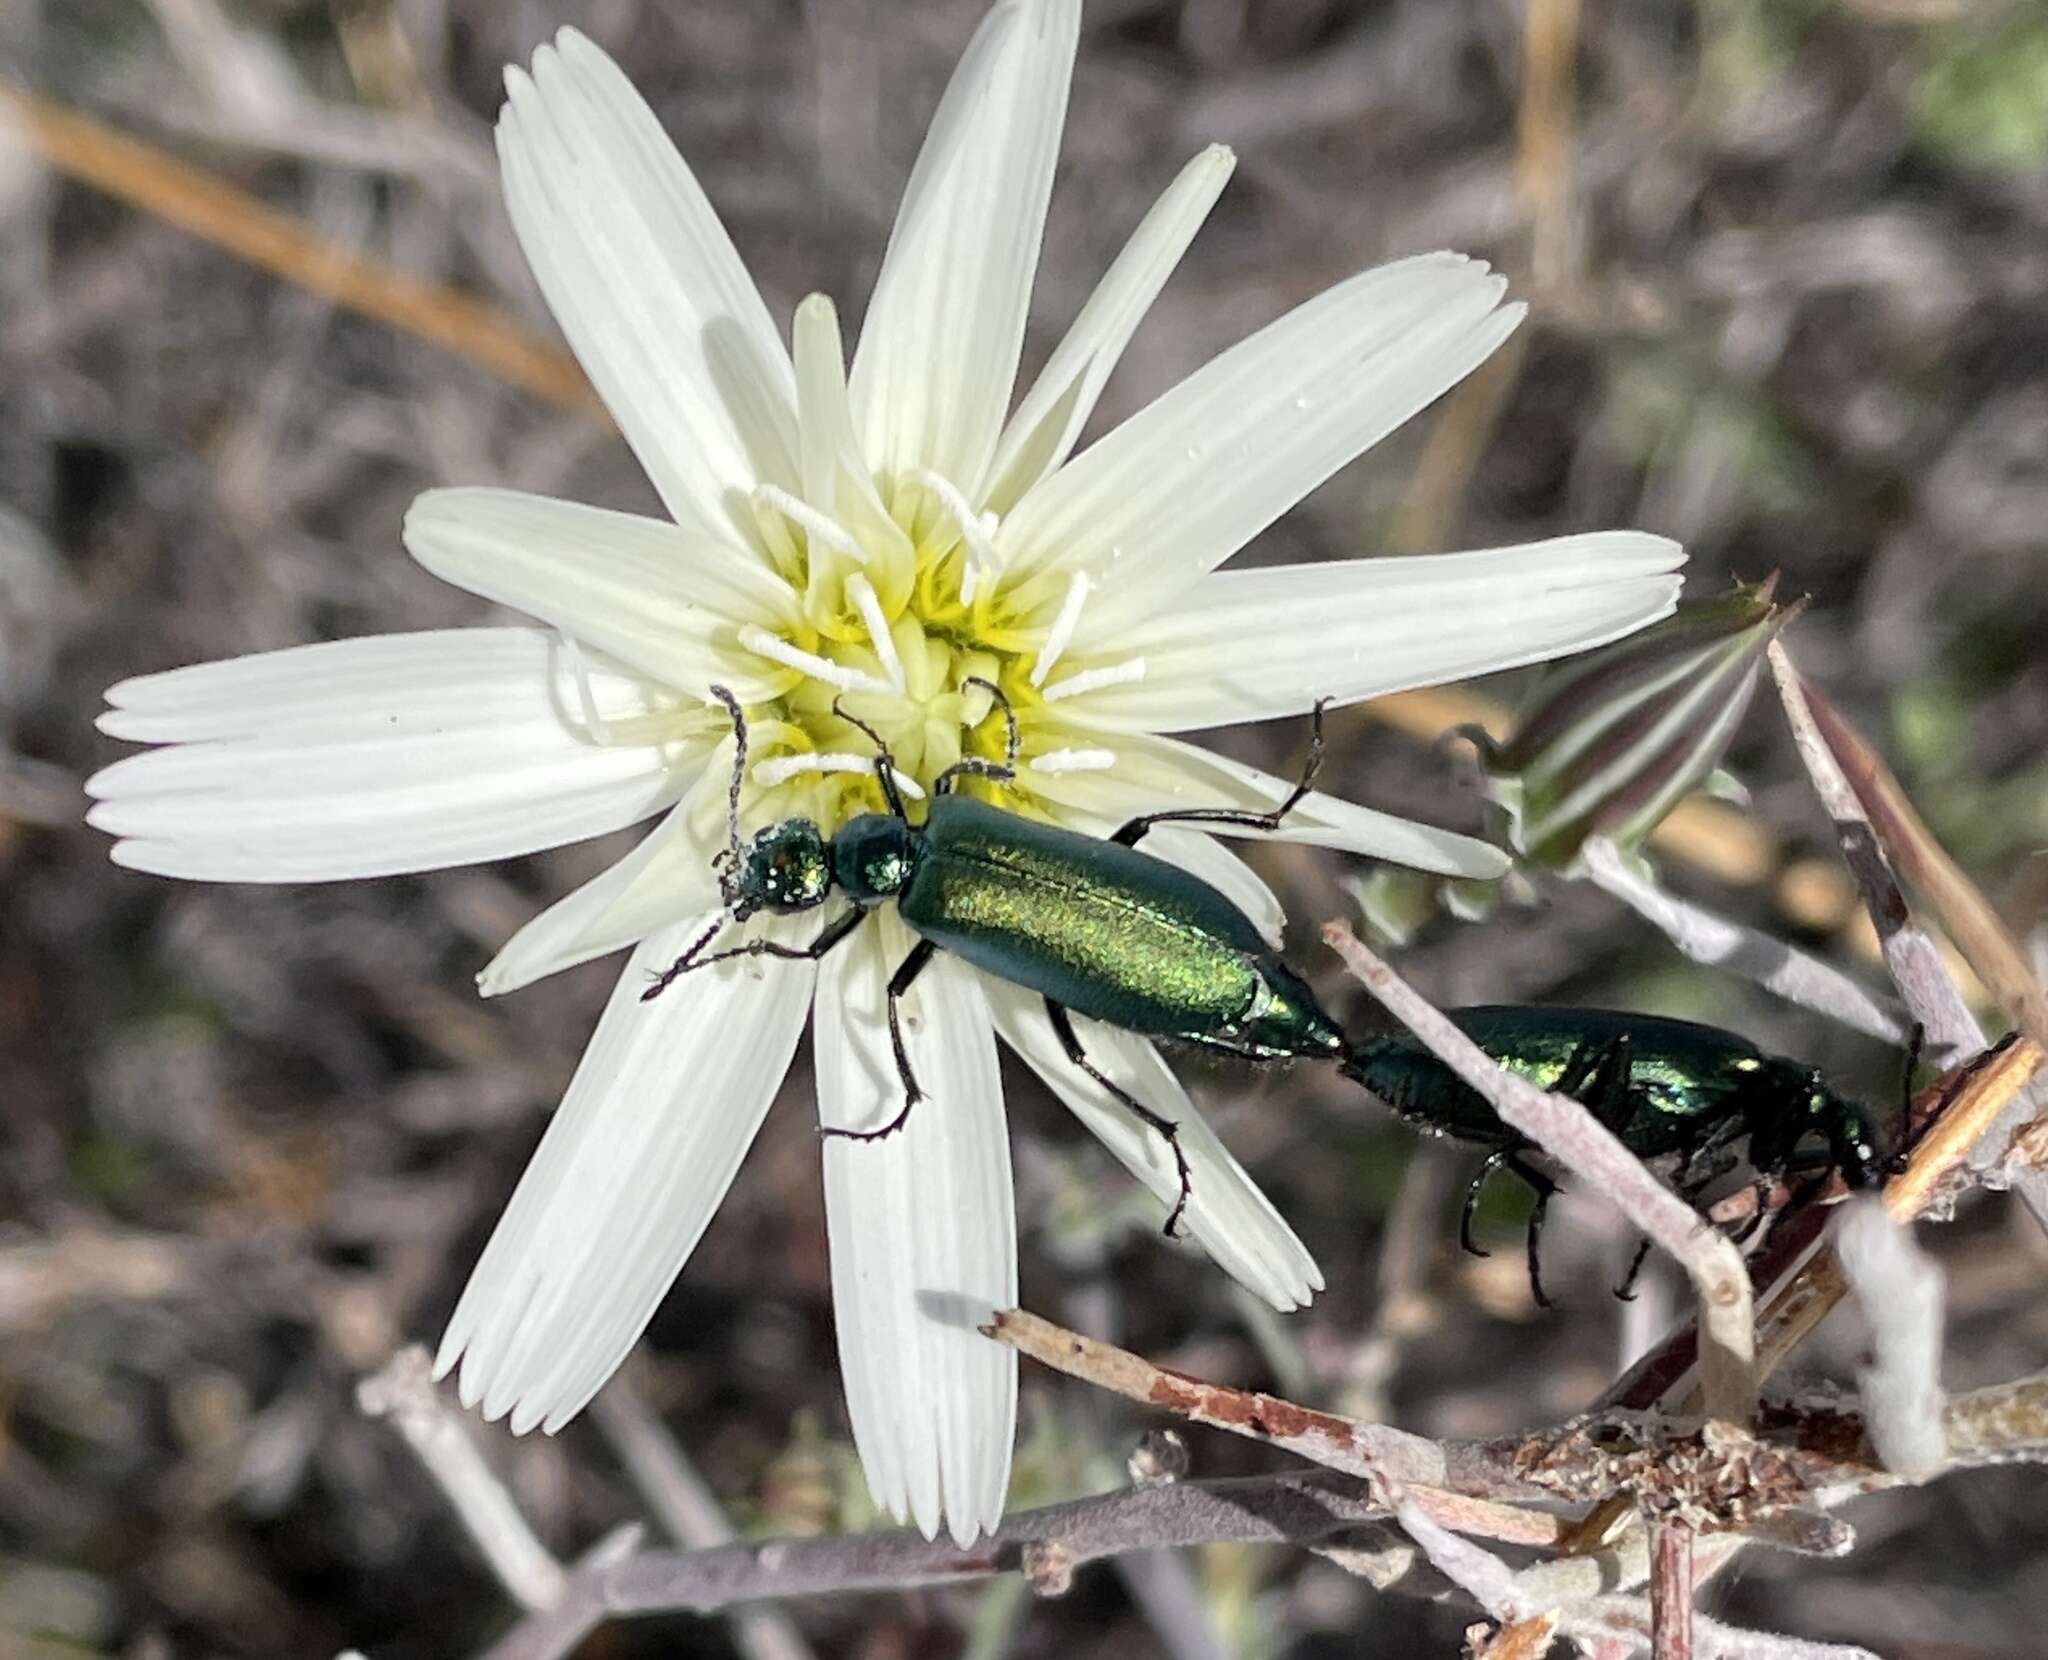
{"x":1978,"y":931}
{"x":1543,"y":136}
{"x":1456,"y":1491}
{"x":195,"y":201}
{"x":1671,"y":1599}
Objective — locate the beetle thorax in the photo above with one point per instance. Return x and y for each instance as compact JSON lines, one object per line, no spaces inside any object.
{"x":874,"y":855}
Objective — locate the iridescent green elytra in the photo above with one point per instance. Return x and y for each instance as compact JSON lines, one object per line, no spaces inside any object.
{"x":1090,"y":923}
{"x":1664,"y":1087}
{"x":1105,"y":931}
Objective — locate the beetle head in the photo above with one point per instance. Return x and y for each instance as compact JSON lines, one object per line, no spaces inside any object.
{"x":787,"y":867}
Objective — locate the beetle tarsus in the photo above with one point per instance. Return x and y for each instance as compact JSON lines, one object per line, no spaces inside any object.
{"x":1494,"y":1161}
{"x":1626,"y":1291}
{"x":1544,"y":1188}
{"x":976,"y":766}
{"x":1130,"y":834}
{"x":887,"y":1130}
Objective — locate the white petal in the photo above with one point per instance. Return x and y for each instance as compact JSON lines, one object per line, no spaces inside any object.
{"x":657,"y":598}
{"x":1187,"y":481}
{"x":665,"y":880}
{"x":923,"y":1232}
{"x":1047,"y":424}
{"x":1249,"y":645}
{"x":395,"y":753}
{"x":836,"y":478}
{"x":642,"y":1149}
{"x":647,"y":286}
{"x":938,"y":352}
{"x":1155,"y":774}
{"x":1227,"y":1214}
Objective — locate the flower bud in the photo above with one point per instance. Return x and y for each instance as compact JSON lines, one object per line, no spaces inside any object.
{"x":1613,"y":740}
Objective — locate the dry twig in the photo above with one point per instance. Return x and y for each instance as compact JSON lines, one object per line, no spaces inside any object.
{"x":1916,"y":967}
{"x":195,"y":201}
{"x":404,"y":1392}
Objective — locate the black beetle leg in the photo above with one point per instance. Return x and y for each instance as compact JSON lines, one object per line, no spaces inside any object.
{"x":1494,"y":1161}
{"x":1130,"y":834}
{"x":1544,"y":1187}
{"x":906,"y":971}
{"x":832,"y":934}
{"x":885,"y":763}
{"x":975,"y":766}
{"x":1598,"y":1077}
{"x":1607,"y":1091}
{"x":1070,"y":1041}
{"x":1626,"y":1291}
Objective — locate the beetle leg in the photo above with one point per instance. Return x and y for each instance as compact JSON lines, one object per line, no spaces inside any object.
{"x":1494,"y":1160}
{"x":1598,"y":1078}
{"x":1070,"y":1041}
{"x":899,"y":983}
{"x":972,"y":766}
{"x":831,"y":935}
{"x":885,"y":763}
{"x":1130,"y":834}
{"x":1544,"y":1187}
{"x":1607,"y":1091}
{"x":1626,"y":1291}
{"x":975,"y":766}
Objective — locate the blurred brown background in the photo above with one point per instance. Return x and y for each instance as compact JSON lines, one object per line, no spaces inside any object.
{"x":1789,"y":265}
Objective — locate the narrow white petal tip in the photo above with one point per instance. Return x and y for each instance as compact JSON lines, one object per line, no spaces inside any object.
{"x":817,"y":307}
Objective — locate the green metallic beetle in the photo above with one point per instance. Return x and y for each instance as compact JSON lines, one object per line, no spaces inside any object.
{"x":1093,"y":925}
{"x":1666,"y":1088}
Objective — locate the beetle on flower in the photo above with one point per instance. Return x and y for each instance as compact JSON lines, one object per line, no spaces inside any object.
{"x":878,"y":542}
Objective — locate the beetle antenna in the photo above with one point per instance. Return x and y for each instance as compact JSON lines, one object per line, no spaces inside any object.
{"x":1916,"y":1042}
{"x":732,"y":799}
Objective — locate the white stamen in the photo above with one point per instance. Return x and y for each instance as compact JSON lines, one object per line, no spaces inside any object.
{"x":870,"y":607}
{"x":971,"y":569}
{"x":819,"y":527}
{"x":977,"y":530}
{"x":1074,"y":760}
{"x":768,"y":774}
{"x":758,"y":640}
{"x":1089,"y":680}
{"x":586,"y":694}
{"x":1063,"y":627}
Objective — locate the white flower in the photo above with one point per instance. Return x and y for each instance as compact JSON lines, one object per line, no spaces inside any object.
{"x":883,"y":533}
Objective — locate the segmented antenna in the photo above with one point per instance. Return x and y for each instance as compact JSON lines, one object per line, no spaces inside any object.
{"x":739,"y":771}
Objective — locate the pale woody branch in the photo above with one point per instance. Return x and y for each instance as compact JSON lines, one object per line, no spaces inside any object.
{"x":1916,"y":967}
